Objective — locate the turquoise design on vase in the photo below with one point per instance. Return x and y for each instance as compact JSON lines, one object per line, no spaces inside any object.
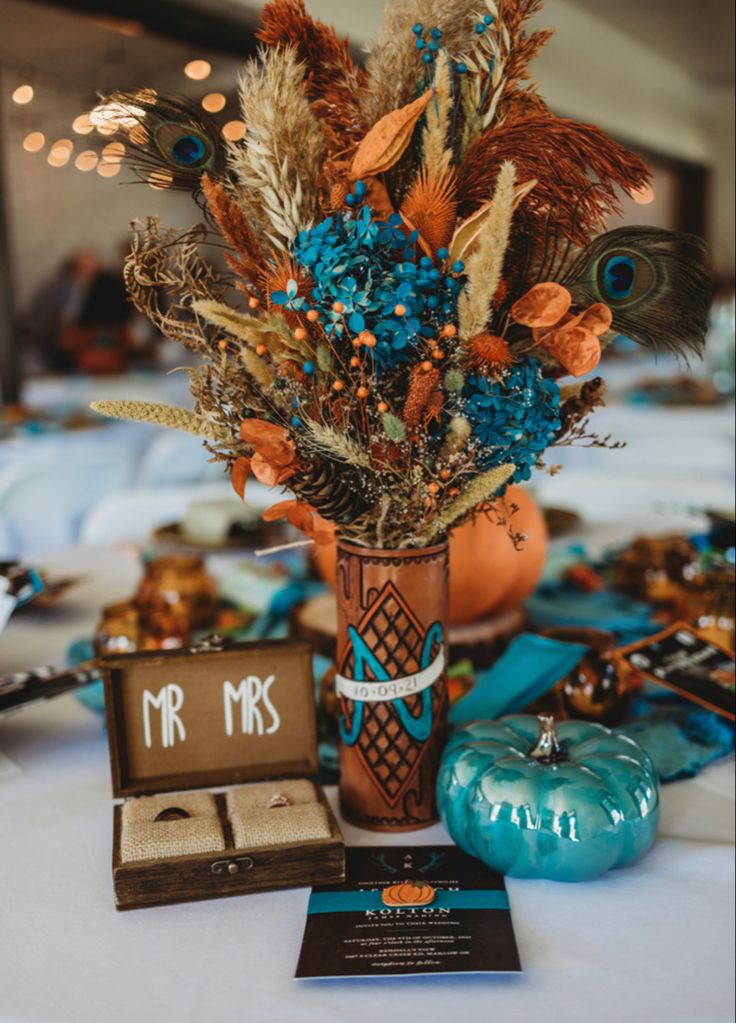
{"x":532,"y":799}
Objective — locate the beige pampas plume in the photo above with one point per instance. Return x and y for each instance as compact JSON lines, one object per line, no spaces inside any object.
{"x":485,"y":264}
{"x":171,"y":416}
{"x":437,"y":155}
{"x":282,"y":155}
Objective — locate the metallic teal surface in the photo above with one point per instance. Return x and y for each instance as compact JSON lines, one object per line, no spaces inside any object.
{"x":568,"y":821}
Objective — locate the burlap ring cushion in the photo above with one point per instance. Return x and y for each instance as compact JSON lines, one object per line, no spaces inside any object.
{"x":246,"y":798}
{"x":255,"y":823}
{"x":280,"y":826}
{"x":145,"y":838}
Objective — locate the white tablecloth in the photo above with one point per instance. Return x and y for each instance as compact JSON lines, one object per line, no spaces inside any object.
{"x":652,"y":944}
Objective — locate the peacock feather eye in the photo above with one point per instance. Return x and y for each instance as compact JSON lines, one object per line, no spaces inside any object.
{"x":186,"y":147}
{"x":624,"y":277}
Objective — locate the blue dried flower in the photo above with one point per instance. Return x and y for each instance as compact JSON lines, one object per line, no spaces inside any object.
{"x":514,"y":419}
{"x":370,"y":267}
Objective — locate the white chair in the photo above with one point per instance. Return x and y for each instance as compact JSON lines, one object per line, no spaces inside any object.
{"x":133,"y":514}
{"x":43,"y":500}
{"x":174,"y":458}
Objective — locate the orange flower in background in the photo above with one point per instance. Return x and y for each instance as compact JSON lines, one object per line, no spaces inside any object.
{"x":304,"y":518}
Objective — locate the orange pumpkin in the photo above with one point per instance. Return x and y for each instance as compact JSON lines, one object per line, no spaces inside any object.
{"x":486,"y":574}
{"x":408,"y":893}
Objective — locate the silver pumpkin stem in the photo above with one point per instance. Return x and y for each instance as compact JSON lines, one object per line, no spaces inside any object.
{"x":547,"y":749}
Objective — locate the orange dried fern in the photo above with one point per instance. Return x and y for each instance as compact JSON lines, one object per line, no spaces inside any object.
{"x":430,"y":207}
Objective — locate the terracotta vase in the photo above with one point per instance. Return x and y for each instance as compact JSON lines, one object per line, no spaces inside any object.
{"x":391,"y":683}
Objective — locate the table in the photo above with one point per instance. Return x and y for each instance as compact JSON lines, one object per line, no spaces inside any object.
{"x":652,"y":944}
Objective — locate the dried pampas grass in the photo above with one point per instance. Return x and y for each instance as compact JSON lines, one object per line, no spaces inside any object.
{"x":333,"y":80}
{"x":281,"y":157}
{"x":437,"y":118}
{"x":485,"y":263}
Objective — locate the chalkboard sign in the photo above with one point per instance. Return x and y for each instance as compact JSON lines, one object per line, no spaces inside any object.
{"x":683,"y":660}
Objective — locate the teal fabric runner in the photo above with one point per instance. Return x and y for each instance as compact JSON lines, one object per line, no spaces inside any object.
{"x":359,"y":901}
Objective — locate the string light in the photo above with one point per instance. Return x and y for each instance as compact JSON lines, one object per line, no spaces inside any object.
{"x":233,"y":131}
{"x":108,"y":117}
{"x":23,"y":94}
{"x":87,"y":160}
{"x":34,"y":142}
{"x":108,"y":170}
{"x":82,"y":125}
{"x":60,"y":153}
{"x":160,"y":179}
{"x":214,"y":102}
{"x":113,"y":152}
{"x":198,"y":70}
{"x":642,"y":196}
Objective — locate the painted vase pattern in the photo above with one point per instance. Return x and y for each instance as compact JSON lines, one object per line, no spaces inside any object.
{"x":391,"y":683}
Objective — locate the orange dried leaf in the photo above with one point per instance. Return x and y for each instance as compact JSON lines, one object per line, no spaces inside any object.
{"x":388,"y":139}
{"x":239,"y":476}
{"x":576,"y":348}
{"x":278,"y":511}
{"x":270,"y":441}
{"x":269,"y":473}
{"x":597,"y":318}
{"x":544,"y":305}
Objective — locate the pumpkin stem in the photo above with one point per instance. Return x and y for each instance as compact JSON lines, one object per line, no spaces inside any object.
{"x":547,"y":749}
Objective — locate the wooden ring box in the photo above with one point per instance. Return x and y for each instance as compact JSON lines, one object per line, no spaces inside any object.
{"x":215,"y":716}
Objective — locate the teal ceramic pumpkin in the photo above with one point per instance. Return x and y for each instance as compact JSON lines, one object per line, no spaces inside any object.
{"x":533,"y":800}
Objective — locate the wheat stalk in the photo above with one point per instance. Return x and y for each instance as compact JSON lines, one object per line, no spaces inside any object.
{"x":485,"y":264}
{"x":171,"y":416}
{"x":337,"y":445}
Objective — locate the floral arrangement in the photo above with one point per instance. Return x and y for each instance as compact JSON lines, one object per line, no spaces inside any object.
{"x":416,"y":275}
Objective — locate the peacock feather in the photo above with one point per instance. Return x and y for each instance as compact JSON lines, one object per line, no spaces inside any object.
{"x":657,"y":284}
{"x":169,"y":138}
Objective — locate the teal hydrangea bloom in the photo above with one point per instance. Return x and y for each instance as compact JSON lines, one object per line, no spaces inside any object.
{"x":370,"y":267}
{"x":513,"y":419}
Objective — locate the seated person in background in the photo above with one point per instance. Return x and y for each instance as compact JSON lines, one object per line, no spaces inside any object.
{"x":80,"y":321}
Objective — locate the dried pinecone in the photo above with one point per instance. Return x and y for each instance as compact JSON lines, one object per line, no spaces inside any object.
{"x":336,"y":491}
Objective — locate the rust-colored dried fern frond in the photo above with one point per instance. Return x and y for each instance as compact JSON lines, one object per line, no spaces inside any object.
{"x":333,"y":81}
{"x":430,"y":207}
{"x":588,"y":165}
{"x":235,"y":229}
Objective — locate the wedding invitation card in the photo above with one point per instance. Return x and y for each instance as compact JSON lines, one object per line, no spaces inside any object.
{"x":409,"y":910}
